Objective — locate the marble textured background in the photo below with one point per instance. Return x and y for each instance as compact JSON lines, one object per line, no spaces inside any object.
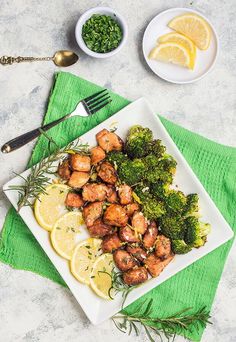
{"x":33,"y":308}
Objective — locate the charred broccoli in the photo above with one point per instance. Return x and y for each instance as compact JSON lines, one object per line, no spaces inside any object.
{"x":180,"y":247}
{"x":196,"y":232}
{"x":131,"y":171}
{"x":159,"y":190}
{"x":156,"y":148}
{"x":116,"y":158}
{"x":192,"y":205}
{"x":172,"y":227}
{"x":175,"y":201}
{"x":168,"y":164}
{"x":137,"y":141}
{"x":153,"y":209}
{"x":159,"y":169}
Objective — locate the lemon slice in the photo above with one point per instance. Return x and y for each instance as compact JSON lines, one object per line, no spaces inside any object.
{"x":83,"y":259}
{"x":178,"y":38}
{"x":194,"y":27}
{"x":65,"y":232}
{"x":100,"y":279}
{"x":51,"y":205}
{"x":171,"y":53}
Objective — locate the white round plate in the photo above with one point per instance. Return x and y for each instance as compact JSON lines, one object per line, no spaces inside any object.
{"x":205,"y":60}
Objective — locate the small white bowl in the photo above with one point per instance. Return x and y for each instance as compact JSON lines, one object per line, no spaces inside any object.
{"x":100,"y":10}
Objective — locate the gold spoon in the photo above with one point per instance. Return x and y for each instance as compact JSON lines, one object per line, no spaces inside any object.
{"x":62,"y":58}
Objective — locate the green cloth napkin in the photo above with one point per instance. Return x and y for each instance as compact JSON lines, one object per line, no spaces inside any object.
{"x":214,"y":164}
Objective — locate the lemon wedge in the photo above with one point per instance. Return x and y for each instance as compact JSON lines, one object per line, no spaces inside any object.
{"x":194,"y":27}
{"x":83,"y":259}
{"x":171,"y":53}
{"x":100,"y":279}
{"x":178,"y":38}
{"x":49,"y":206}
{"x":65,"y":232}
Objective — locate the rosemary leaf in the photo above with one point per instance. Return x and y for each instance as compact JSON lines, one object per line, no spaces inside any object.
{"x":168,"y":328}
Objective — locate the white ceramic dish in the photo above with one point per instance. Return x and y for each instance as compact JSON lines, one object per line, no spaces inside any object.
{"x":205,"y":60}
{"x":97,"y":309}
{"x":100,"y":10}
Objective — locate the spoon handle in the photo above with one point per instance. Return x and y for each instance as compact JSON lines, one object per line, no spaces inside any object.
{"x":4,"y":60}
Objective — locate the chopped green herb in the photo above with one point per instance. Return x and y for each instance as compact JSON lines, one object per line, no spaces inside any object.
{"x":101,"y":33}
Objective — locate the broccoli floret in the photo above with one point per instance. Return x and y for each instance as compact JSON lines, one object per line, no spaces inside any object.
{"x":137,"y":141}
{"x":172,"y":227}
{"x":168,"y":164}
{"x":180,"y":247}
{"x":156,"y":148}
{"x":196,"y":232}
{"x":159,"y":190}
{"x":176,"y":200}
{"x":192,"y":205}
{"x":116,"y":158}
{"x":131,"y":171}
{"x":159,"y":169}
{"x":153,"y":209}
{"x":143,"y":192}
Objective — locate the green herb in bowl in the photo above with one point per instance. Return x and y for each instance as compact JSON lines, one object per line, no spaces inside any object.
{"x":101,"y":33}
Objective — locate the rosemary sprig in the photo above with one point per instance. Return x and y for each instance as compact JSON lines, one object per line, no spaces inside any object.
{"x":156,"y":327}
{"x":118,"y":286}
{"x":37,"y":180}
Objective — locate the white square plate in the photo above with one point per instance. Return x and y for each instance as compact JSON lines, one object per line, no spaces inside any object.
{"x":97,"y":309}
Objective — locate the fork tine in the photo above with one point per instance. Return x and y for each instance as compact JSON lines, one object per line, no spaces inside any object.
{"x":96,"y":109}
{"x":91,"y":106}
{"x":94,"y":95}
{"x":96,"y":99}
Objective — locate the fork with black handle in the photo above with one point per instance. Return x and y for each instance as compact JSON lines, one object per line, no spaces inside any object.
{"x":88,"y":106}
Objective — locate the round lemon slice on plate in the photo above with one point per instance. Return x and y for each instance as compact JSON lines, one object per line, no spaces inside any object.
{"x":178,"y":38}
{"x":171,"y":53}
{"x":100,"y":279}
{"x":194,"y":27}
{"x":83,"y":259}
{"x":64,"y":235}
{"x":49,"y":206}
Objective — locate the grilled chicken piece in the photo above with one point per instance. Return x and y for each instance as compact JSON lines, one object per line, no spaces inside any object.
{"x":78,"y":179}
{"x":99,"y":229}
{"x":110,"y":243}
{"x":135,"y":276}
{"x":131,"y":208}
{"x":109,"y":141}
{"x":92,"y":212}
{"x":115,"y":215}
{"x":138,"y":252}
{"x":97,"y":155}
{"x":162,"y":247}
{"x":94,"y":192}
{"x":123,"y":260}
{"x":64,"y":170}
{"x":155,"y":265}
{"x":80,"y":162}
{"x":126,"y":234}
{"x":111,"y":194}
{"x":125,"y":194}
{"x":149,"y":238}
{"x":139,"y":222}
{"x":74,"y":200}
{"x":107,"y":173}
